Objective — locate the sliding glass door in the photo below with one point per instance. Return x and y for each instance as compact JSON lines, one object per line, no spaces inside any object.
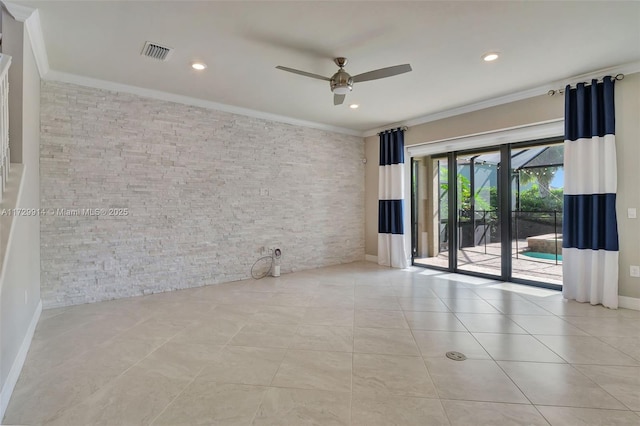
{"x":537,"y":180}
{"x":495,"y":212}
{"x":479,"y":247}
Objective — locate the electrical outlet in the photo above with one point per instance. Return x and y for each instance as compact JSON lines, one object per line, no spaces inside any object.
{"x":634,"y":271}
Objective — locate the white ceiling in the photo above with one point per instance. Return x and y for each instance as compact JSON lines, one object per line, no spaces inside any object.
{"x":242,"y":42}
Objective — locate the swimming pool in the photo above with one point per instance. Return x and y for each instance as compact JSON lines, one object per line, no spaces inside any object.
{"x":538,"y":255}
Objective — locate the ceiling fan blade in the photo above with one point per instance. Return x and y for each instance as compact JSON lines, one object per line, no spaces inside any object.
{"x":338,"y":99}
{"x":306,"y":74}
{"x":382,"y":73}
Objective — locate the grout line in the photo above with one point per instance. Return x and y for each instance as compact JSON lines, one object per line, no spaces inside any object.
{"x":177,"y":395}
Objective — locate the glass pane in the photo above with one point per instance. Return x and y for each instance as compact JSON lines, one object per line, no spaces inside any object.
{"x":479,"y":247}
{"x":537,"y":179}
{"x":432,"y":198}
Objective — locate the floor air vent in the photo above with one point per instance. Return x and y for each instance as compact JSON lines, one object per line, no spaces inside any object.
{"x":156,"y":51}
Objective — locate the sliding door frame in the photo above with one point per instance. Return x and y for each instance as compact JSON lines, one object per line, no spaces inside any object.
{"x":504,"y":208}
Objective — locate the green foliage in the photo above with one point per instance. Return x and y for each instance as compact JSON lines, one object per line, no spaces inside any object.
{"x":530,"y":200}
{"x":464,"y":193}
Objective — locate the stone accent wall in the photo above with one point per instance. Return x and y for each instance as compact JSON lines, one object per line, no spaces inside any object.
{"x":204,"y":189}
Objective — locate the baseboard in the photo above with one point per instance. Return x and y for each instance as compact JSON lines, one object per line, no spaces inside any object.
{"x":18,"y":363}
{"x":629,"y":303}
{"x":371,"y":258}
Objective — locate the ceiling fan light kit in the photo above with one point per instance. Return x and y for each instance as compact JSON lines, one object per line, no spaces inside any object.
{"x":341,"y":82}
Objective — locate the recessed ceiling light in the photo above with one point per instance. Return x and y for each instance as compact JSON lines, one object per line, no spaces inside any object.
{"x":354,"y":106}
{"x":198,"y":66}
{"x":491,"y":56}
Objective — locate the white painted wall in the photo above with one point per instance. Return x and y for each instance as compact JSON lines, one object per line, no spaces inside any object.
{"x":204,"y":189}
{"x":20,"y":277}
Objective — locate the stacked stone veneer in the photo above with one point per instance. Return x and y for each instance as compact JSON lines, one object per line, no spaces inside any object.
{"x":205,"y":190}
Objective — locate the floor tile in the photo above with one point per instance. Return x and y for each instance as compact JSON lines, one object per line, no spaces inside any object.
{"x":208,"y":403}
{"x":451,"y":278}
{"x":231,"y":310}
{"x":621,"y":382}
{"x":289,"y":299}
{"x":265,"y":335}
{"x":488,"y":293}
{"x":466,"y":413}
{"x":323,"y":338}
{"x":301,"y":407}
{"x":489,"y":323}
{"x":412,"y":291}
{"x":567,"y":416}
{"x":586,"y":350}
{"x":380,"y":303}
{"x":329,"y":371}
{"x":244,"y":365}
{"x":155,"y":328}
{"x":217,"y":332}
{"x":278,"y":315}
{"x":519,"y":307}
{"x":516,"y":347}
{"x":384,"y":341}
{"x":374,"y":291}
{"x":341,"y":345}
{"x":422,"y":304}
{"x":473,"y":380}
{"x":397,"y":410}
{"x":50,"y":313}
{"x":133,"y":398}
{"x":41,"y":396}
{"x":558,"y":384}
{"x":546,"y":324}
{"x":627,"y":345}
{"x":435,"y":344}
{"x":453,"y":292}
{"x":330,"y":301}
{"x":380,"y":319}
{"x":179,"y":360}
{"x":471,"y":306}
{"x":437,"y":321}
{"x":380,"y":375}
{"x":54,"y":326}
{"x":573,"y":308}
{"x":604,"y":326}
{"x":338,"y":317}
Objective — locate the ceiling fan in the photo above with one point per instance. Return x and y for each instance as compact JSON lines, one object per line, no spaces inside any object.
{"x":342,"y":83}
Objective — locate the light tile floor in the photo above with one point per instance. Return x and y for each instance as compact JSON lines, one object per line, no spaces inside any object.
{"x":353,"y":344}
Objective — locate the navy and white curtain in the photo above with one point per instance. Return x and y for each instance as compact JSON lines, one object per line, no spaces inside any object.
{"x":590,"y":230}
{"x":391,"y":243}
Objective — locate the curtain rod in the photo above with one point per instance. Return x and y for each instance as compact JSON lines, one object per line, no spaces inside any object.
{"x":560,"y":91}
{"x":405,"y":128}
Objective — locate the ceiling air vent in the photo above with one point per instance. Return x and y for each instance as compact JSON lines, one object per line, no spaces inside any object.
{"x":155,"y":51}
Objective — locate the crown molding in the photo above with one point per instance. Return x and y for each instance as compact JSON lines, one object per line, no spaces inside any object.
{"x":31,"y":19}
{"x":19,"y":12}
{"x":34,"y":28}
{"x":629,"y":68}
{"x":187,"y":100}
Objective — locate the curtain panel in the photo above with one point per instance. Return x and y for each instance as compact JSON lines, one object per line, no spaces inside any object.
{"x":391,"y":242}
{"x":590,"y":230}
